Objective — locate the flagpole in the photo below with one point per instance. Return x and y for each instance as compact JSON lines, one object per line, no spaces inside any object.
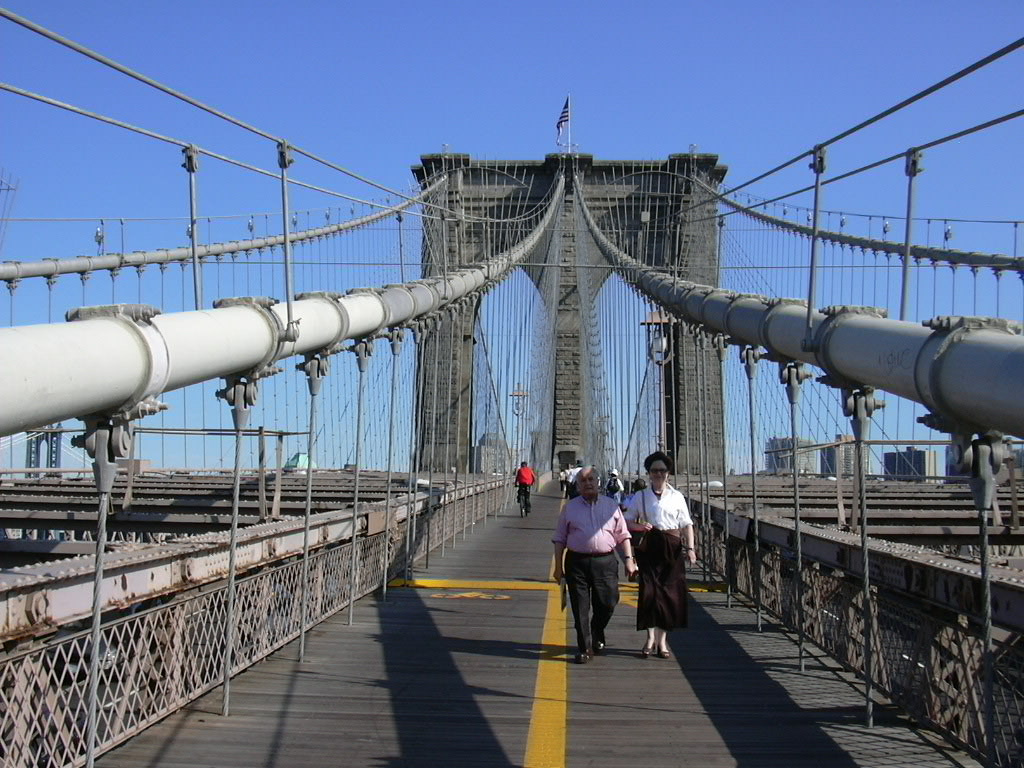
{"x":569,"y":100}
{"x":565,"y":121}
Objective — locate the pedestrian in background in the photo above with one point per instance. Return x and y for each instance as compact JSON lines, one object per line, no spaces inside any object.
{"x":571,"y":491}
{"x":635,"y":487}
{"x":613,"y":488}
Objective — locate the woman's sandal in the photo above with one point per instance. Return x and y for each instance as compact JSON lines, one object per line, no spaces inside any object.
{"x":664,"y":655}
{"x":645,"y":652}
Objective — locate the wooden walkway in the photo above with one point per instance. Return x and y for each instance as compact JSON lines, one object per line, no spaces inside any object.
{"x":470,"y":675}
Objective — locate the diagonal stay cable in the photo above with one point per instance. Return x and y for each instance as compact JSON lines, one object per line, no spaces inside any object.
{"x":182,"y":143}
{"x":490,"y":380}
{"x":428,"y":184}
{"x":891,"y":110}
{"x":98,"y":57}
{"x":636,"y":415}
{"x":870,"y":166}
{"x":78,"y":48}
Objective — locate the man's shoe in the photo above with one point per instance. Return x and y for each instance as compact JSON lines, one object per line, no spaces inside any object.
{"x":599,"y":647}
{"x":583,"y":658}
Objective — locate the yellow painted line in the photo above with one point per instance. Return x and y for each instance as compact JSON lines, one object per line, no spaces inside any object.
{"x":545,"y":744}
{"x":536,"y":586}
{"x":474,"y":584}
{"x":471,"y":595}
{"x":698,"y":587}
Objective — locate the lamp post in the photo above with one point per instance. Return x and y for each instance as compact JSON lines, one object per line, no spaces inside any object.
{"x":518,"y":410}
{"x":659,"y":352}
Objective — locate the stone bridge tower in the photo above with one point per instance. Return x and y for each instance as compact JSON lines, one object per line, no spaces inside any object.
{"x":648,"y":205}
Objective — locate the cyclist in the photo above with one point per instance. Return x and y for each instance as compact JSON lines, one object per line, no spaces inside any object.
{"x":526,"y":478}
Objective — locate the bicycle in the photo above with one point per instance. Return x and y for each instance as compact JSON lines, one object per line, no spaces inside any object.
{"x":523,"y":500}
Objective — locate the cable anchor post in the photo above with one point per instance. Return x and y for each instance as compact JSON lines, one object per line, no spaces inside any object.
{"x":240,"y":392}
{"x":749,"y":356}
{"x":396,"y":337}
{"x":982,"y":457}
{"x":362,"y":350}
{"x":720,"y":343}
{"x":106,"y":439}
{"x":858,"y":405}
{"x":316,"y":366}
{"x":792,"y":374}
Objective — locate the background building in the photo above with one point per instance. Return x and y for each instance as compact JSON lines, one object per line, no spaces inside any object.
{"x":778,"y":455}
{"x":491,"y":455}
{"x":910,"y":463}
{"x":839,"y":460}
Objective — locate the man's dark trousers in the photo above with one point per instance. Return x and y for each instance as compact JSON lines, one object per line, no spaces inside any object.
{"x":593,"y":584}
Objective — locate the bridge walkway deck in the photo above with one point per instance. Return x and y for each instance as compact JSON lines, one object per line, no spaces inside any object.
{"x":456,"y":674}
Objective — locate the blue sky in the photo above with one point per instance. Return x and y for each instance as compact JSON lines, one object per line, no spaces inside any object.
{"x":372,"y":88}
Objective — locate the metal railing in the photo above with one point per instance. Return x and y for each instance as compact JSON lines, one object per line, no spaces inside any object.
{"x":156,"y":661}
{"x":926,"y":659}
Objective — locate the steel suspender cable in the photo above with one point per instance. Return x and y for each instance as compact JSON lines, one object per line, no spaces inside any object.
{"x":315,"y":370}
{"x":92,"y":701}
{"x":362,"y":350}
{"x":240,"y":413}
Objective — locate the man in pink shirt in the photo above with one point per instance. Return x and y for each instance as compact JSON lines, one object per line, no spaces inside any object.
{"x":589,"y":530}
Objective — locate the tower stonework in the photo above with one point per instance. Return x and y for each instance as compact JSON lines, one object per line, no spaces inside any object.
{"x":569,"y":411}
{"x":648,"y":210}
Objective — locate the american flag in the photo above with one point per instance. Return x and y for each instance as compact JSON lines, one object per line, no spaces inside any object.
{"x":563,"y":119}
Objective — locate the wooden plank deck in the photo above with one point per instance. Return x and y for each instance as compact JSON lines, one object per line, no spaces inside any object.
{"x":459,"y":676}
